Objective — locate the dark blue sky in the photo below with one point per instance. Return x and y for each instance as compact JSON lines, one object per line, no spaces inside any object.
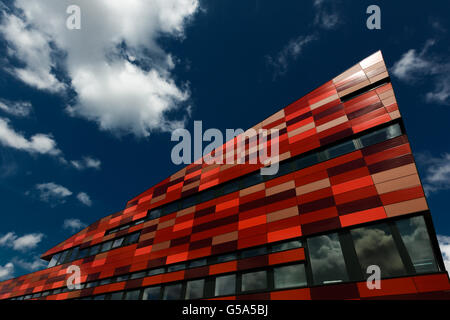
{"x":236,"y":62}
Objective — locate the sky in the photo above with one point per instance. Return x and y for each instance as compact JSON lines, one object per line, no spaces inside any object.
{"x":86,"y":114}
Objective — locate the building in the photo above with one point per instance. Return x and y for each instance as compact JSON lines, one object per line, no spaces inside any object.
{"x":347,"y":196}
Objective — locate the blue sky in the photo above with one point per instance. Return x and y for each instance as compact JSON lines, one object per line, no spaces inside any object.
{"x":86,"y":115}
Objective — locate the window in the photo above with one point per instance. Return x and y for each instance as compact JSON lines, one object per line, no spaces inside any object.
{"x":106,"y":246}
{"x":252,"y":179}
{"x":94,"y":250}
{"x":176,"y":267}
{"x":91,"y":284}
{"x":226,"y":257}
{"x":254,"y":281}
{"x":286,"y":245}
{"x":117,"y":243}
{"x":155,"y":271}
{"x":327,"y":260}
{"x":122,"y":278}
{"x":172,"y":292}
{"x":132,"y":295}
{"x":307,"y":161}
{"x":74,"y":255}
{"x":100,"y":297}
{"x":63,"y":257}
{"x":116,"y":295}
{"x":230,"y":186}
{"x":414,"y":234}
{"x":225,"y":285}
{"x":131,"y":238}
{"x":340,"y":149}
{"x":138,"y":275}
{"x":381,"y":135}
{"x":126,"y":226}
{"x":194,"y":289}
{"x":105,"y":281}
{"x":253,"y":252}
{"x":375,"y":246}
{"x":153,"y":214}
{"x":171,"y":207}
{"x":197,"y":263}
{"x":54,"y":260}
{"x":152,"y":293}
{"x":290,"y":276}
{"x":189,"y":202}
{"x":83,"y":253}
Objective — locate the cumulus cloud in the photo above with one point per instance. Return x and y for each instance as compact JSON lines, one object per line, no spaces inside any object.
{"x":326,"y":16}
{"x":414,"y":67}
{"x":38,"y":143}
{"x":73,"y":224}
{"x":16,"y":108}
{"x":120,"y":74}
{"x":33,"y":265}
{"x":437,"y":171}
{"x":444,"y":245}
{"x":86,"y":163}
{"x":289,"y":53}
{"x":84,"y":199}
{"x":23,"y":243}
{"x":52,"y":192}
{"x":6,"y":271}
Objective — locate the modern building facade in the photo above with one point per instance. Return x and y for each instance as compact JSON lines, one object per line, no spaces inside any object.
{"x":347,"y":196}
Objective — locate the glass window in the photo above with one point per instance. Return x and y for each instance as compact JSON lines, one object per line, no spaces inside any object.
{"x":327,"y":260}
{"x":172,"y":292}
{"x":254,"y":281}
{"x":106,"y":246}
{"x":100,"y":297}
{"x":417,"y":242}
{"x":138,"y":275}
{"x":36,"y":295}
{"x":253,"y":252}
{"x":226,"y":257}
{"x":123,"y":277}
{"x":225,"y":285}
{"x":194,"y":289}
{"x":155,"y":271}
{"x":340,"y":149}
{"x":153,"y":214}
{"x":105,"y":281}
{"x":306,"y":161}
{"x":138,"y":222}
{"x":94,"y":250}
{"x":54,"y":260}
{"x":286,"y":245}
{"x":197,"y":263}
{"x":63,"y":257}
{"x":74,"y":255}
{"x":381,"y":135}
{"x":176,"y":267}
{"x":171,"y":207}
{"x":83,"y":253}
{"x":290,"y":276}
{"x":125,"y":226}
{"x":131,"y":238}
{"x":152,"y":293}
{"x":117,"y":243}
{"x":91,"y":284}
{"x":116,"y":295}
{"x":375,"y":246}
{"x":132,"y":295}
{"x":251,"y":180}
{"x":189,"y":202}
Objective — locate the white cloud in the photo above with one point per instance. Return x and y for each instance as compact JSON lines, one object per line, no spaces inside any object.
{"x":121,"y":75}
{"x":23,"y":243}
{"x":52,"y":192}
{"x":17,"y":108}
{"x":6,"y":271}
{"x":84,"y":199}
{"x":444,"y":245}
{"x":73,"y":224}
{"x":86,"y":163}
{"x":414,"y":67}
{"x":326,"y":16}
{"x":289,"y":53}
{"x":437,"y":171}
{"x":38,"y":143}
{"x":35,"y":264}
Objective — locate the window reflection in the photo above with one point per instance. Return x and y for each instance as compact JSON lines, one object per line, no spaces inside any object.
{"x":225,"y":285}
{"x":327,"y":261}
{"x":290,"y":276}
{"x":254,"y":281}
{"x":172,"y":292}
{"x":417,"y":242}
{"x":152,"y":293}
{"x":375,"y":246}
{"x":194,"y":289}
